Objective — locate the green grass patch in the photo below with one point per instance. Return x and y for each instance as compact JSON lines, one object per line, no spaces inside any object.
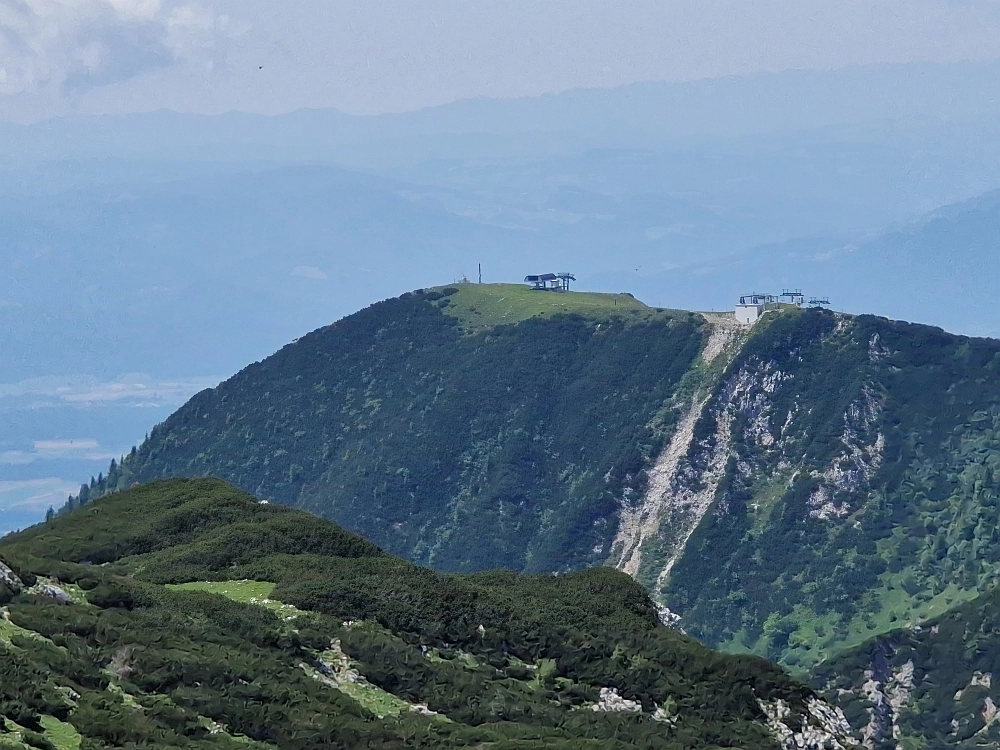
{"x":61,"y":734}
{"x":547,"y":668}
{"x":246,"y":592}
{"x":8,"y":630}
{"x":13,"y":737}
{"x":814,"y":638}
{"x":366,"y":695}
{"x":461,"y":658}
{"x":479,"y":306}
{"x":215,"y":727}
{"x":767,"y":494}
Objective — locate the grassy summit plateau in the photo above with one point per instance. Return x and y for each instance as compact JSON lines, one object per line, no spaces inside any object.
{"x":482,"y":306}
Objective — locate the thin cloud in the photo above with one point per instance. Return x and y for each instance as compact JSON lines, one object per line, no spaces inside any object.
{"x":309,"y":272}
{"x":47,"y":450}
{"x":137,"y":390}
{"x":73,"y":46}
{"x":35,"y":494}
{"x":64,"y":446}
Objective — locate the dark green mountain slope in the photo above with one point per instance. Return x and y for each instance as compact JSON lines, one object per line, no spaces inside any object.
{"x":187,"y":614}
{"x":447,"y":438}
{"x":929,"y":686}
{"x":788,"y":490}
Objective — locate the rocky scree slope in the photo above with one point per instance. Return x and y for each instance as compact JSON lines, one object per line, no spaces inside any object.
{"x":787,"y":490}
{"x":924,"y":686}
{"x":184,"y":613}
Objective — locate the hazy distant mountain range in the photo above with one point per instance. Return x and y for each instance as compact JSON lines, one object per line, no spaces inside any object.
{"x":182,"y":247}
{"x":934,"y":270}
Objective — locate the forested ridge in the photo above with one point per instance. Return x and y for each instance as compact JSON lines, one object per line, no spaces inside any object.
{"x":835,"y":480}
{"x":458,"y":445}
{"x":127,"y":623}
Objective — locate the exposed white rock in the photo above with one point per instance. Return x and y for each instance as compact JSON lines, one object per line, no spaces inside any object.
{"x":611,"y":701}
{"x":887,"y":700}
{"x":667,"y":618}
{"x":822,"y":504}
{"x":855,"y":467}
{"x":822,"y":727}
{"x":724,"y":333}
{"x":900,"y":687}
{"x":686,"y":507}
{"x":664,"y":716}
{"x":641,"y":522}
{"x":666,"y":499}
{"x":51,"y":591}
{"x":8,"y":577}
{"x":877,"y":351}
{"x":983,"y":680}
{"x":991,"y":715}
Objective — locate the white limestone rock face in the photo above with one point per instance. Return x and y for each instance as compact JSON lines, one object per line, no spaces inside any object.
{"x":888,"y":695}
{"x":10,"y":579}
{"x":52,"y":591}
{"x":821,"y":728}
{"x":615,"y":703}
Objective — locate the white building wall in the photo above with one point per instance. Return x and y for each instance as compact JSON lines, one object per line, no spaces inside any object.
{"x":749,"y":314}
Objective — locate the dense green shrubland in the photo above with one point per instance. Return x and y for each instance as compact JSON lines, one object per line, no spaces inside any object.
{"x":509,"y":660}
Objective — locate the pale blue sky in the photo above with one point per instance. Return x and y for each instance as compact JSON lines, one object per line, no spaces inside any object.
{"x":367,"y":56}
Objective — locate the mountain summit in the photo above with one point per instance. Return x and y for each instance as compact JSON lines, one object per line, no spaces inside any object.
{"x":786,"y":489}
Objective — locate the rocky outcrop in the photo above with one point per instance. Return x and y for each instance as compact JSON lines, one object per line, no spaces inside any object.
{"x":684,"y":481}
{"x":774,"y":465}
{"x":612,"y":702}
{"x":9,"y":579}
{"x":851,"y":470}
{"x":822,"y":727}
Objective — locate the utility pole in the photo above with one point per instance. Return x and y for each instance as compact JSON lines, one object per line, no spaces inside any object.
{"x":480,"y":273}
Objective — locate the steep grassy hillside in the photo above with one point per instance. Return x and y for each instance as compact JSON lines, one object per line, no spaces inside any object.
{"x":187,"y":614}
{"x":929,"y":686}
{"x":457,"y":445}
